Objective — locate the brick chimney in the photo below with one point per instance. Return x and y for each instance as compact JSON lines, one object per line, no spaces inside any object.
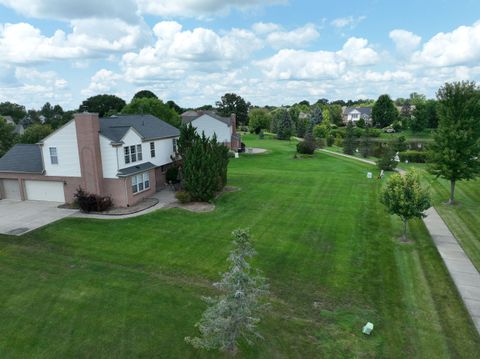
{"x":88,"y":127}
{"x":233,"y":121}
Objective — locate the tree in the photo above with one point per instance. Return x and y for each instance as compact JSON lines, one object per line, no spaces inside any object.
{"x":336,"y":114}
{"x":387,"y":161}
{"x":285,"y":125}
{"x":17,"y":112}
{"x":425,"y":114}
{"x":8,"y":136}
{"x":404,"y":197}
{"x":102,"y":104}
{"x":365,"y":142}
{"x":235,"y":313}
{"x":144,"y":94}
{"x":155,"y":107}
{"x":315,"y":119}
{"x":175,"y":107}
{"x":35,"y":133}
{"x":259,"y":119}
{"x":384,"y":112}
{"x":232,"y":103}
{"x":454,"y":154}
{"x":349,"y":141}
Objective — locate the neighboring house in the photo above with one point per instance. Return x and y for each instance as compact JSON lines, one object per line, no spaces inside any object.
{"x":303,"y":116}
{"x":210,"y":123}
{"x":124,"y":157}
{"x":19,"y":129}
{"x":354,"y":114}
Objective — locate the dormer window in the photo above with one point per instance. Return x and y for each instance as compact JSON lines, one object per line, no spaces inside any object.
{"x":53,"y":155}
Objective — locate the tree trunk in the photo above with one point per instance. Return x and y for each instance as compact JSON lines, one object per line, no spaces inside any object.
{"x":404,"y":237}
{"x":452,"y":192}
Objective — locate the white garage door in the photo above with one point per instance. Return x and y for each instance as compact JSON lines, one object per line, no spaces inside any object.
{"x":45,"y":191}
{"x":11,"y":189}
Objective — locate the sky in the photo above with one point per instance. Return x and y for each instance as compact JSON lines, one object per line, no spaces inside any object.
{"x":271,"y":52}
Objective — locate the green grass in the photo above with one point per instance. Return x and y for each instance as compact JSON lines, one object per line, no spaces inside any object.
{"x":463,"y":219}
{"x":132,"y":288}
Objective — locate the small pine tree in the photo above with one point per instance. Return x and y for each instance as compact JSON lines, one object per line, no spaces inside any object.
{"x":234,"y":314}
{"x":285,"y":126}
{"x":403,"y":196}
{"x":387,"y":161}
{"x":349,"y":140}
{"x":365,"y":143}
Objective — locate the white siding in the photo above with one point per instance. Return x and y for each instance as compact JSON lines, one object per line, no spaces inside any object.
{"x":131,"y":138}
{"x":109,"y":157}
{"x":210,"y":125}
{"x":65,"y":141}
{"x":163,"y":151}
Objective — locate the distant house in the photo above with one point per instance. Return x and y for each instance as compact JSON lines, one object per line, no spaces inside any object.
{"x":124,"y":157}
{"x":354,"y":114}
{"x":19,"y":129}
{"x":210,"y":123}
{"x":303,"y":116}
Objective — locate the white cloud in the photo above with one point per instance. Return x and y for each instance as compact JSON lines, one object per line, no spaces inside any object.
{"x":263,"y":28}
{"x":405,"y":41}
{"x":349,"y":21}
{"x":103,"y":81}
{"x":199,"y":8}
{"x":22,"y":43}
{"x":297,"y":38}
{"x":312,"y":65}
{"x":75,"y":9}
{"x":176,"y":52}
{"x":459,"y":47}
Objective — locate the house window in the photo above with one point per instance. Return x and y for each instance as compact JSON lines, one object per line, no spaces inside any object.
{"x":133,"y":154}
{"x":139,"y":152}
{"x":127,"y":154}
{"x":152,"y":149}
{"x":174,"y":142}
{"x":140,"y":182}
{"x":53,"y":155}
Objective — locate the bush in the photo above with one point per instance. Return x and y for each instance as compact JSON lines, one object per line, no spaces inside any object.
{"x":172,"y":175}
{"x":89,"y":202}
{"x":413,"y":156}
{"x":375,"y":132}
{"x":387,"y":162}
{"x":338,"y":140}
{"x":321,"y":142}
{"x":183,"y":196}
{"x":306,"y":147}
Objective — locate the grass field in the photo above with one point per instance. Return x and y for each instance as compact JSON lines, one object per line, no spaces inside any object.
{"x":132,"y":288}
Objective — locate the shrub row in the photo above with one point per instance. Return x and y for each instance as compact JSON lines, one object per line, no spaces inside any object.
{"x":90,"y":202}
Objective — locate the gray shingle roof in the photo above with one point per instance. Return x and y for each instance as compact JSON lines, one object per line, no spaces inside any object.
{"x":125,"y":172}
{"x":363,"y":110}
{"x":22,"y":158}
{"x":148,"y":126}
{"x":188,"y":117}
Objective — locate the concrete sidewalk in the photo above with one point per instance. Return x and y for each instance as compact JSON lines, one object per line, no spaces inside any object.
{"x":464,"y":274}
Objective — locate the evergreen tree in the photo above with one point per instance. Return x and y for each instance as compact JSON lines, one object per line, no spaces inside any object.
{"x":349,"y":141}
{"x":315,"y":119}
{"x":403,"y":196}
{"x":235,"y":313}
{"x":366,"y":142}
{"x":454,"y":154}
{"x":285,"y":126}
{"x":387,"y":161}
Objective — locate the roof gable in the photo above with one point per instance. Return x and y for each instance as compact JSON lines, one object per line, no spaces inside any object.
{"x":209,"y":114}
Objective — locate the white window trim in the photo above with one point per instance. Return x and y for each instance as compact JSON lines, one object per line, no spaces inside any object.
{"x":53,"y":155}
{"x":140,"y":179}
{"x":131,"y":152}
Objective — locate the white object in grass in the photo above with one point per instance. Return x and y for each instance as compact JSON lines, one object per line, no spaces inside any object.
{"x":367,"y":329}
{"x":369,"y":175}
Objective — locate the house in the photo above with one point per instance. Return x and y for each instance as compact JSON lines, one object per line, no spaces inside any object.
{"x":354,"y":114}
{"x":124,"y":157}
{"x":210,"y":123}
{"x":19,"y":129}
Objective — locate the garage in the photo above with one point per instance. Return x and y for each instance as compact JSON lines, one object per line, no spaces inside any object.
{"x":44,"y":191}
{"x":11,"y":189}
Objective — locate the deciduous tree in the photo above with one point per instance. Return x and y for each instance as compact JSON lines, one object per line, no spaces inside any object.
{"x":233,"y":103}
{"x":384,"y":112}
{"x":103,"y":104}
{"x":155,"y":107}
{"x":8,"y":136}
{"x":403,"y":196}
{"x":454,"y":154}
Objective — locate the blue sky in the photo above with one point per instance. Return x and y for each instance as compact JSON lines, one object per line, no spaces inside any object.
{"x":270,"y":52}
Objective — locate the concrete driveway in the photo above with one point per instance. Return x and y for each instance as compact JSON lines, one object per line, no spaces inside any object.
{"x":19,"y":217}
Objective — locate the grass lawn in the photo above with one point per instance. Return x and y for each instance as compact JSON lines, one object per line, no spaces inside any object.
{"x":132,"y":288}
{"x":463,"y":219}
